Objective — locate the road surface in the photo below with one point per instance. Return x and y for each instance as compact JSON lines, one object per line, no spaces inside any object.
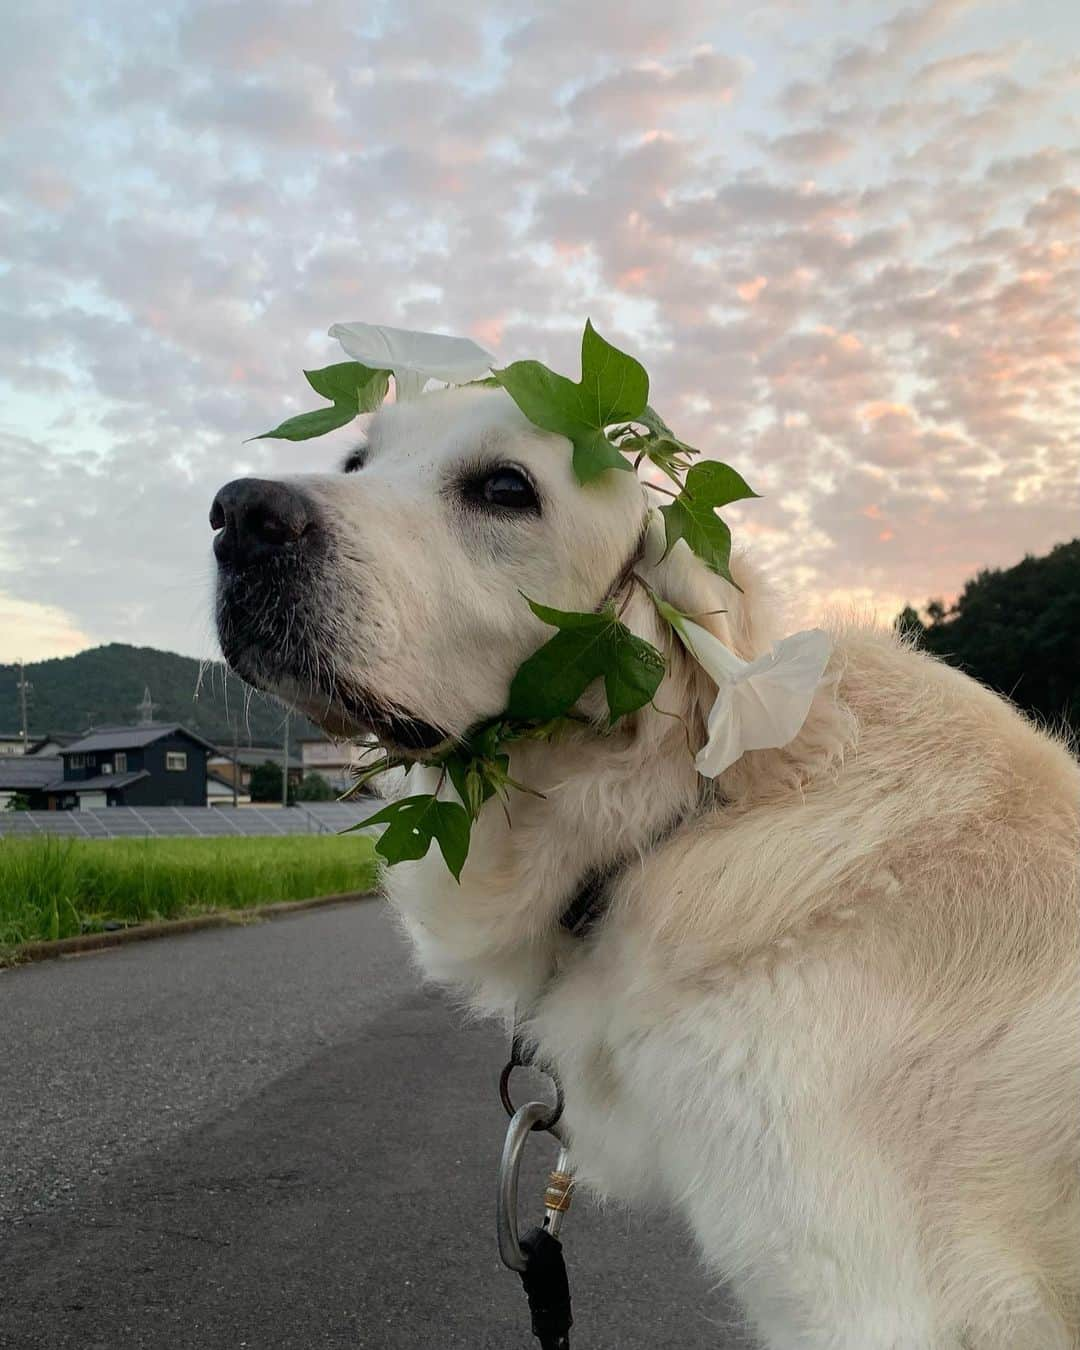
{"x":272,"y":1138}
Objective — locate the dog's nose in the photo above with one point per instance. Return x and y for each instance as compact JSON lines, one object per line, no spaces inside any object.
{"x":257,"y":519}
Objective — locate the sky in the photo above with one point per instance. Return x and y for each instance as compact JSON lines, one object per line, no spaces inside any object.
{"x":842,"y":237}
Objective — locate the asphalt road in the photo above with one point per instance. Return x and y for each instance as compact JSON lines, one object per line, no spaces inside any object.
{"x":273,"y":1137}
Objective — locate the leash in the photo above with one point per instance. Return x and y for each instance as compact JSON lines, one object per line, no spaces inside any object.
{"x":537,"y":1257}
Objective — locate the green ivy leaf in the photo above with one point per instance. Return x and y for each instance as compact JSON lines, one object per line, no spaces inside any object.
{"x":351,"y":388}
{"x":635,"y":674}
{"x":586,"y":647}
{"x":306,"y":425}
{"x":413,"y":822}
{"x":352,"y":384}
{"x":613,"y":388}
{"x":651,"y":419}
{"x":692,"y":515}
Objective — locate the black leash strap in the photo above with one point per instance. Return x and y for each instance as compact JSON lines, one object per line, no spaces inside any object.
{"x":537,"y":1257}
{"x":547,"y":1289}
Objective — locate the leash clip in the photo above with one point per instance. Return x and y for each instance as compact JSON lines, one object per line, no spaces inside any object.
{"x":557,"y":1195}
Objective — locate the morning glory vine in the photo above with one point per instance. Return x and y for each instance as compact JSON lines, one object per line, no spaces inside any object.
{"x":607,"y":418}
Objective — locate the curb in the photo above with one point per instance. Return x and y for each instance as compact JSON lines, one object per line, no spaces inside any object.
{"x":144,"y":932}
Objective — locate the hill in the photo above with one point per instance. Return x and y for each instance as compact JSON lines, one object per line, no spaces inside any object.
{"x":1016,"y":629}
{"x":105,"y":685}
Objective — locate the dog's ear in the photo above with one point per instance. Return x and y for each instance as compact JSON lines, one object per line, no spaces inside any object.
{"x":682,"y":580}
{"x":730,"y":612}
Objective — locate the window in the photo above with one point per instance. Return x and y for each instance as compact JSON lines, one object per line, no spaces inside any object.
{"x":121,"y":761}
{"x":91,"y":760}
{"x":77,"y":762}
{"x":176,"y":760}
{"x":106,"y":767}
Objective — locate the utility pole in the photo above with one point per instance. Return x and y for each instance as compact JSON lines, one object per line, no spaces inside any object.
{"x":24,"y":689}
{"x":235,"y":768}
{"x":285,"y":766}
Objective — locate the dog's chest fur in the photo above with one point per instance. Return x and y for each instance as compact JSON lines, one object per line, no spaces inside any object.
{"x":678,"y":1082}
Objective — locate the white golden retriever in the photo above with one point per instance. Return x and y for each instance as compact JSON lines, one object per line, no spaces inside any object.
{"x":830,"y":1012}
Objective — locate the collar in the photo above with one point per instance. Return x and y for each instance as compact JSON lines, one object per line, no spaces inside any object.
{"x":590,"y":901}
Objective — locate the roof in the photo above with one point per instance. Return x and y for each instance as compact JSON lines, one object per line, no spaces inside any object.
{"x":251,"y":755}
{"x":98,"y":783}
{"x":24,"y":773}
{"x":131,"y":738}
{"x":62,"y":738}
{"x":225,"y":784}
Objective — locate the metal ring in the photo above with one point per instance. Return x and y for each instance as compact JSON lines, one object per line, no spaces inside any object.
{"x":554,"y":1113}
{"x":524,"y":1120}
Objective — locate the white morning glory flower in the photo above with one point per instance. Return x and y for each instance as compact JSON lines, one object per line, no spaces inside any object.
{"x":414,"y":358}
{"x":762,"y":704}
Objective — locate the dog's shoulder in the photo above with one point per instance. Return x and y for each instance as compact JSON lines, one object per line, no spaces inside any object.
{"x":960,"y":745}
{"x":943,"y":807}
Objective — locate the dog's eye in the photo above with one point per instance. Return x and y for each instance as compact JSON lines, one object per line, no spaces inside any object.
{"x":506,"y":489}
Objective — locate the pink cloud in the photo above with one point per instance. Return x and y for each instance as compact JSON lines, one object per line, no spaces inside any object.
{"x":817,"y":145}
{"x":643,"y":95}
{"x":889,"y":352}
{"x":969,"y":66}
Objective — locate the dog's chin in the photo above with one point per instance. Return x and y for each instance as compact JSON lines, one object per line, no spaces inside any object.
{"x":397,"y":731}
{"x":349,"y":716}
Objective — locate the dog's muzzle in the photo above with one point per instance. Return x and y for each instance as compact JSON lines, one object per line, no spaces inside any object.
{"x":275,"y":585}
{"x":270,"y":545}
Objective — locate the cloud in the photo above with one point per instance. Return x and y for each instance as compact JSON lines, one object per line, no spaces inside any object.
{"x":30,"y":632}
{"x":646,"y":95}
{"x":908,"y":33}
{"x":817,"y":145}
{"x":968,"y":66}
{"x":848,"y":263}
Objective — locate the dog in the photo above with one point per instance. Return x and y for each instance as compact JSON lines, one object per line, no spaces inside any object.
{"x":829,"y":1011}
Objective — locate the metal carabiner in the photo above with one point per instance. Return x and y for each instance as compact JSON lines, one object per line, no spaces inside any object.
{"x":556,"y":1197}
{"x":522,"y":1123}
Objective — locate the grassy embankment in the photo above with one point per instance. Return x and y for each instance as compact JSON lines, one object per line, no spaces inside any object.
{"x":53,"y":888}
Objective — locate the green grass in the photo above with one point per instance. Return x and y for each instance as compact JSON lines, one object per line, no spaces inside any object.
{"x":53,"y":888}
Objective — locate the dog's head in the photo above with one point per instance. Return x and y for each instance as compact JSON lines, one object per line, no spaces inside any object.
{"x":387,"y":598}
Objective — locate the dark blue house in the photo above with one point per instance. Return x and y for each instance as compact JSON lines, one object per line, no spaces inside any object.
{"x":155,"y":765}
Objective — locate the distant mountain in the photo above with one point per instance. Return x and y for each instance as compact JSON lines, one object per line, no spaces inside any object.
{"x":105,"y":686}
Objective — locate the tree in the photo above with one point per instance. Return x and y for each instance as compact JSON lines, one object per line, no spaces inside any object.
{"x":908,"y":624}
{"x":1017,"y":630}
{"x":266,"y":782}
{"x":313,"y":788}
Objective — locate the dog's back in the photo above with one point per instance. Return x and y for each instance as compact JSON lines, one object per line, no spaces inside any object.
{"x":978,"y":933}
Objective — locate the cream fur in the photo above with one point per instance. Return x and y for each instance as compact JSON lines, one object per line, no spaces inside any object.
{"x":833,"y":1020}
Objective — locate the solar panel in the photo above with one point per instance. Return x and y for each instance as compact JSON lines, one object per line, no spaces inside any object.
{"x":17,"y":823}
{"x":87,"y":823}
{"x":191,"y":822}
